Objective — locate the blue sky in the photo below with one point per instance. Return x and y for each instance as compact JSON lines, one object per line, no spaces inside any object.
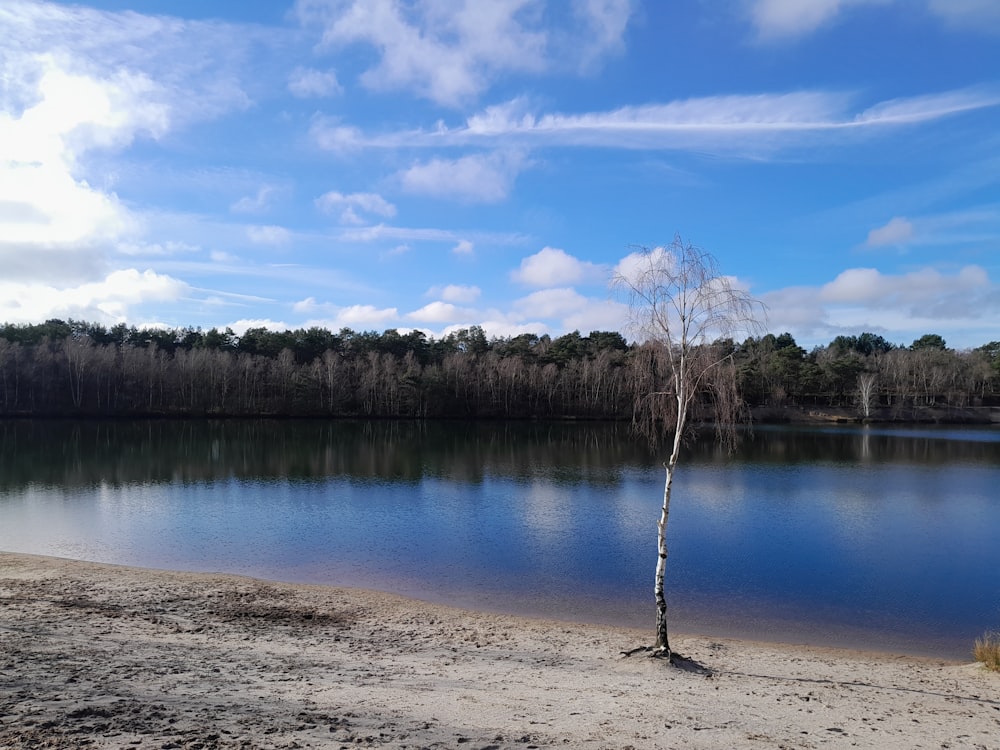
{"x":437,"y":164}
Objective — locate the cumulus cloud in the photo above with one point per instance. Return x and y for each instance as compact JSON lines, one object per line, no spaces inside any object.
{"x":902,"y":306}
{"x":335,"y":317}
{"x":308,"y":83}
{"x":464,"y":247}
{"x":437,"y":312}
{"x":568,"y":310}
{"x":634,"y":265}
{"x":897,"y":232}
{"x":450,"y":52}
{"x":348,"y":205}
{"x":456,"y":293}
{"x":241,"y":326}
{"x":915,"y":290}
{"x":45,"y":207}
{"x":108,"y":300}
{"x":80,"y":84}
{"x":360,"y":316}
{"x":477,"y":178}
{"x":551,"y":303}
{"x":551,"y":266}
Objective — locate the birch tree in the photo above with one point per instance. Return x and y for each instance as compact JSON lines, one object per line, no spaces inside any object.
{"x":679,"y":304}
{"x":866,"y":392}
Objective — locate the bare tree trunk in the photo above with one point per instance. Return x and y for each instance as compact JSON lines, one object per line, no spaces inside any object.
{"x":662,"y":639}
{"x":662,"y":647}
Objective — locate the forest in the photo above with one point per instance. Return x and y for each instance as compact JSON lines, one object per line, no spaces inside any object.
{"x":76,"y":368}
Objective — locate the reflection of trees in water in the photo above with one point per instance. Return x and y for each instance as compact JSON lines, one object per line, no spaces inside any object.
{"x":80,"y":453}
{"x":860,"y":445}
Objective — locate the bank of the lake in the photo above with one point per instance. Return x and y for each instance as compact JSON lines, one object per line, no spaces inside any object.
{"x":114,"y":657}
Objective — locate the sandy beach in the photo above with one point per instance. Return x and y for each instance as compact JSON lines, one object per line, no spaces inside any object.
{"x":104,"y":656}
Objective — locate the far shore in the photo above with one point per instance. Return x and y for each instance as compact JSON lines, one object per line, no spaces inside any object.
{"x":108,"y":656}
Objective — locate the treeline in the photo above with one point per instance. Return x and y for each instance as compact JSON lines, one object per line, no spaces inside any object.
{"x":80,"y":368}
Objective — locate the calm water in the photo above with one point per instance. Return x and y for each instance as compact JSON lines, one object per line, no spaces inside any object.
{"x":880,"y":538}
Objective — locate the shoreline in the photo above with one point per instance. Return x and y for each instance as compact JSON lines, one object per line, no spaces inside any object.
{"x":110,"y":656}
{"x":735,"y":623}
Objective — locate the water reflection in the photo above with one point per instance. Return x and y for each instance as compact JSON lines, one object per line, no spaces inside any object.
{"x":74,"y":454}
{"x":856,"y":535}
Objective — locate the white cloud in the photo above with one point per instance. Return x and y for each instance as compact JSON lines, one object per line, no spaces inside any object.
{"x":109,"y":300}
{"x":897,"y":232}
{"x":550,"y":303}
{"x":598,"y":315}
{"x":464,"y":247}
{"x":250,"y":204}
{"x":977,"y":15}
{"x":739,"y":124}
{"x":336,"y":317}
{"x":308,"y":82}
{"x":606,"y":21}
{"x":477,"y":178}
{"x":568,"y":310}
{"x":268,"y":235}
{"x":340,"y":139}
{"x":901,"y":307}
{"x":45,"y":207}
{"x":397,"y":250}
{"x":551,"y":266}
{"x":501,"y":326}
{"x":634,"y":265}
{"x":913,"y":290}
{"x":308,"y":306}
{"x":241,"y":326}
{"x":138,"y":49}
{"x":785,"y":18}
{"x":437,"y":312}
{"x":77,"y":85}
{"x":450,"y":51}
{"x":348,"y":205}
{"x":163,"y":249}
{"x":362,"y":317}
{"x":456,"y":293}
{"x":789,"y":19}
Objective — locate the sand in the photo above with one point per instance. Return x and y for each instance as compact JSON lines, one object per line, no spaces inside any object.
{"x":105,"y":656}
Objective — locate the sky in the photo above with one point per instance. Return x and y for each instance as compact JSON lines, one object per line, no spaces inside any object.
{"x":438,"y":164}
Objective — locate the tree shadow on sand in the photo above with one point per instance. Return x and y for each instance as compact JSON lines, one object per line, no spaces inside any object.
{"x":674,"y":659}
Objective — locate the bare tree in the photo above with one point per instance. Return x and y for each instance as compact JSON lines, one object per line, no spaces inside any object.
{"x":679,"y":303}
{"x":866,"y":392}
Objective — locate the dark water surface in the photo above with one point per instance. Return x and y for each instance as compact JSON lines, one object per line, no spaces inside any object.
{"x":884,"y":538}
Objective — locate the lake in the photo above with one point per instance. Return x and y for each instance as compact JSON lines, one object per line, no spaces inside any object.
{"x":862,"y":536}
